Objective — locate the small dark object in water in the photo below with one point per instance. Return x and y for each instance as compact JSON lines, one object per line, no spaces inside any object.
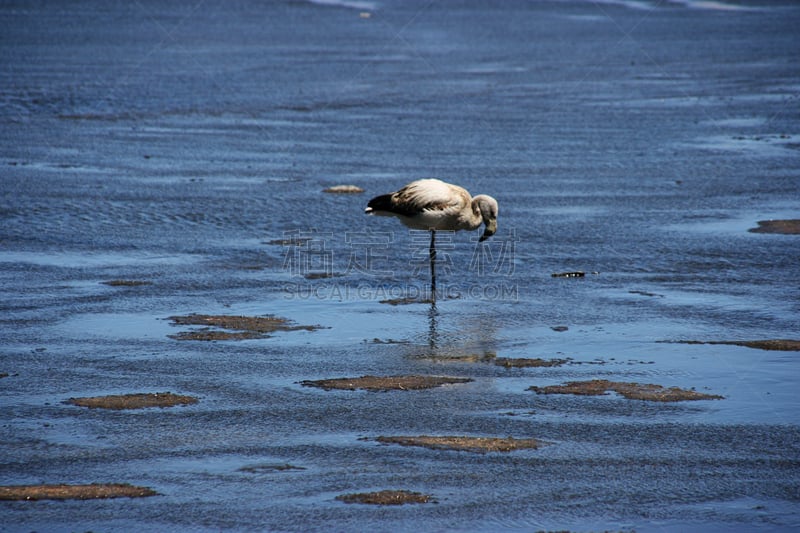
{"x":74,"y":492}
{"x":376,"y":340}
{"x":385,"y":497}
{"x":645,"y":293}
{"x":559,"y":328}
{"x":297,"y":241}
{"x":321,"y":275}
{"x":406,"y":301}
{"x":256,"y":469}
{"x":578,"y":274}
{"x":125,"y":283}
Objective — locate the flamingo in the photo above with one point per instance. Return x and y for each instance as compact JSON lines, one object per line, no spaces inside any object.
{"x":432,"y":204}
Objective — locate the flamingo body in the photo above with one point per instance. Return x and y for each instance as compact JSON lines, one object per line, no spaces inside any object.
{"x":432,"y":204}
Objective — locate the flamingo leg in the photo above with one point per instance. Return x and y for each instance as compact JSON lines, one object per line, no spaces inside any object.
{"x":433,"y":264}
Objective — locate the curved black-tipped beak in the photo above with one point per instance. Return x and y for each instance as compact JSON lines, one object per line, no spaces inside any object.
{"x":491,"y":229}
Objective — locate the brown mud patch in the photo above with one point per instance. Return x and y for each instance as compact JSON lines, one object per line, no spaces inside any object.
{"x":631,"y":391}
{"x":465,"y":444}
{"x":133,"y":401}
{"x":230,"y":327}
{"x":385,"y":497}
{"x":378,"y":383}
{"x":784,"y":345}
{"x":523,"y":362}
{"x":74,"y":492}
{"x":344,"y":189}
{"x":780,"y":227}
{"x":126,"y":283}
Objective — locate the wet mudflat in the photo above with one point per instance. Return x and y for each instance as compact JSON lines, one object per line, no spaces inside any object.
{"x":180,"y":211}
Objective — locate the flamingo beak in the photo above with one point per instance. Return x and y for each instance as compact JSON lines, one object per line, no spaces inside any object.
{"x":491,"y":229}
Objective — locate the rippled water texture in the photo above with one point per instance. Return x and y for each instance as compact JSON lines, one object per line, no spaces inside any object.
{"x":162,"y":161}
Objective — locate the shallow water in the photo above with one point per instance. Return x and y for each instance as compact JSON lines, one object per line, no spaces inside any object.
{"x":187,"y":146}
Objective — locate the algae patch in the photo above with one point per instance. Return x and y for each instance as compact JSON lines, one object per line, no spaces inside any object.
{"x":522,"y":362}
{"x":466,"y":444}
{"x":784,"y":345}
{"x":133,"y":401}
{"x":781,"y":227}
{"x":230,"y":327}
{"x":631,"y":391}
{"x":385,"y":497}
{"x":74,"y":492}
{"x":216,"y":335}
{"x":385,"y":383}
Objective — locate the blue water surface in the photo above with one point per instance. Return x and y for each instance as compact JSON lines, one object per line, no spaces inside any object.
{"x":187,"y":146}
